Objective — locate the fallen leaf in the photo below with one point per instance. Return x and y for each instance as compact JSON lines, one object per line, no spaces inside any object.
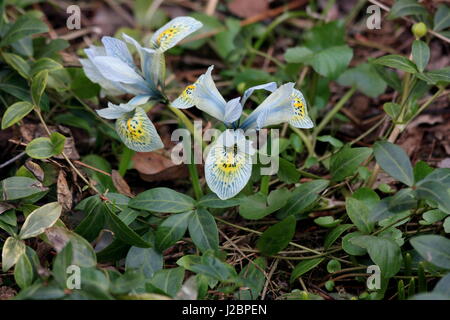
{"x":57,"y":237}
{"x":35,"y":169}
{"x":154,"y":166}
{"x":63,"y":191}
{"x":248,"y":8}
{"x":120,"y":184}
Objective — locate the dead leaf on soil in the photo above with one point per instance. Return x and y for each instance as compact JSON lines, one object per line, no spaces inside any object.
{"x":154,"y":166}
{"x":248,"y":8}
{"x":120,"y":184}
{"x":35,"y":169}
{"x":63,"y":192}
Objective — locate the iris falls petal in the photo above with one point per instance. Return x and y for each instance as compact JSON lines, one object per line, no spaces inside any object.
{"x":300,"y":119}
{"x":137,"y":131}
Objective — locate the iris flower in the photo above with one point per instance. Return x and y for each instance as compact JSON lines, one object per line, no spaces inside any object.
{"x":113,"y":68}
{"x":228,"y":163}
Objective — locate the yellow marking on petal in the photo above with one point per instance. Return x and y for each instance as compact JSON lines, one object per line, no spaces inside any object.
{"x":299,"y":107}
{"x":229,"y":163}
{"x":167,"y":35}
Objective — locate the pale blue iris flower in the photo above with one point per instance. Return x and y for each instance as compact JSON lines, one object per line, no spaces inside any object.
{"x":228,"y":164}
{"x":113,"y":68}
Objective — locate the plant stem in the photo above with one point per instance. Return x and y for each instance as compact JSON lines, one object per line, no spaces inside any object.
{"x":183,"y":118}
{"x":333,"y":112}
{"x":264,"y":189}
{"x":305,"y":140}
{"x":193,"y":173}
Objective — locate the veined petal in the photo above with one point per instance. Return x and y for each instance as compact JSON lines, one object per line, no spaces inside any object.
{"x":227,"y":170}
{"x":174,"y":31}
{"x":118,"y":49}
{"x":271,"y":87}
{"x":139,"y":100}
{"x":95,"y":51}
{"x":115,"y":69}
{"x":186,"y":99}
{"x":91,"y":71}
{"x":115,"y":111}
{"x":300,"y":119}
{"x":155,"y":64}
{"x":233,"y":110}
{"x":276,"y":108}
{"x":207,"y":98}
{"x":137,"y":131}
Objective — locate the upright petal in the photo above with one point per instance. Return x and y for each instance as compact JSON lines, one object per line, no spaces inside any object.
{"x":271,"y":87}
{"x":227,"y":169}
{"x":115,"y":111}
{"x":276,"y":108}
{"x":207,"y":98}
{"x":300,"y":119}
{"x":233,"y":110}
{"x":174,"y":31}
{"x":137,"y":131}
{"x":118,"y":49}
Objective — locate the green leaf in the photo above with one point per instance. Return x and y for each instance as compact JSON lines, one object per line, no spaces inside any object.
{"x":288,"y":172}
{"x":38,"y":85}
{"x":303,"y":196}
{"x":351,"y":248}
{"x":277,"y":237}
{"x":211,"y":200}
{"x":384,"y":252}
{"x":43,"y":148}
{"x":392,"y":109}
{"x":345,"y":162}
{"x":394,"y":160}
{"x":162,"y":200}
{"x":125,"y":233}
{"x":45,"y":64}
{"x":168,"y":280}
{"x":403,"y":8}
{"x":421,"y":170}
{"x":331,"y":140}
{"x":23,"y":272}
{"x":441,"y":18}
{"x":24,"y":26}
{"x":14,"y":188}
{"x":397,"y":62}
{"x":254,"y":207}
{"x":327,"y":221}
{"x":434,"y":249}
{"x":441,"y":76}
{"x":436,"y":187}
{"x":171,"y":230}
{"x":40,"y":219}
{"x":297,"y":54}
{"x":148,"y":260}
{"x":358,"y":212}
{"x":18,"y":63}
{"x":331,"y":62}
{"x":253,"y":279}
{"x":209,"y":266}
{"x":13,"y":249}
{"x":303,"y":267}
{"x":203,"y":230}
{"x":94,"y":221}
{"x":334,"y":234}
{"x":421,"y":54}
{"x":15,"y":113}
{"x":365,"y":78}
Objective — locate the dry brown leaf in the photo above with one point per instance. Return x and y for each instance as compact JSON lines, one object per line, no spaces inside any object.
{"x":5,"y":206}
{"x":154,"y":166}
{"x":63,"y":191}
{"x":120,"y":184}
{"x":57,"y":237}
{"x":35,"y":169}
{"x":248,"y":8}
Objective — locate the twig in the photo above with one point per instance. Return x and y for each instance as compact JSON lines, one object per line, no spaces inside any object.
{"x":20,"y":155}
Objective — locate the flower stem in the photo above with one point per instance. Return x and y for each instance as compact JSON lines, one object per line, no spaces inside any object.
{"x":264,"y":189}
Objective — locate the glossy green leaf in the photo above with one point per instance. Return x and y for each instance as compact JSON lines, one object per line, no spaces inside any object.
{"x":15,"y":113}
{"x":171,"y":230}
{"x":22,"y":27}
{"x":12,"y":250}
{"x":397,"y":62}
{"x":277,"y":237}
{"x":303,"y":267}
{"x":203,"y":230}
{"x":18,"y":64}
{"x":147,"y":260}
{"x":23,"y":272}
{"x":40,"y":219}
{"x":421,"y":54}
{"x":345,"y":162}
{"x":394,"y":160}
{"x":257,"y":206}
{"x":14,"y":188}
{"x":434,"y":249}
{"x":162,"y":200}
{"x":403,"y":8}
{"x":168,"y":280}
{"x":441,"y":18}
